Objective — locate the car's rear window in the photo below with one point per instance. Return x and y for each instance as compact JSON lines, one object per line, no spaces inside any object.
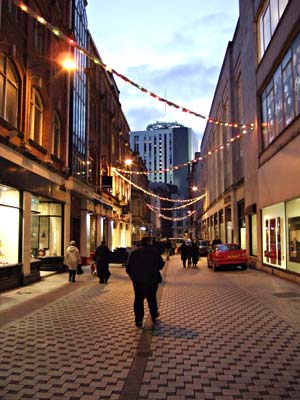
{"x":226,"y":247}
{"x":203,"y":243}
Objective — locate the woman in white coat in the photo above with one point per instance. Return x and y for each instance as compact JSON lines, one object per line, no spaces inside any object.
{"x":72,"y":259}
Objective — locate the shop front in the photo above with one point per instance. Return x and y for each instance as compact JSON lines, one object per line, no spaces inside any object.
{"x":10,"y":229}
{"x":32,"y":220}
{"x":281,"y":235}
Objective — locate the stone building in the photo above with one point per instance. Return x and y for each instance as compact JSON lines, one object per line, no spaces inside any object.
{"x":251,"y":175}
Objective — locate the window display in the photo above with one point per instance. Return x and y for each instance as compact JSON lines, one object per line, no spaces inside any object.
{"x":10,"y":225}
{"x":253,"y":250}
{"x":273,"y":235}
{"x":293,"y":235}
{"x":46,"y":227}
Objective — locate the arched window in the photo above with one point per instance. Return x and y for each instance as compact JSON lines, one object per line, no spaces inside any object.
{"x":56,"y":134}
{"x":36,"y":116}
{"x":9,"y":91}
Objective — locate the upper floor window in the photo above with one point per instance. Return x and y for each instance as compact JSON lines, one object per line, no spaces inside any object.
{"x":9,"y":91}
{"x":280,"y":101}
{"x":56,"y":135}
{"x":268,"y":21}
{"x":39,"y":38}
{"x":12,"y":9}
{"x":36,"y":116}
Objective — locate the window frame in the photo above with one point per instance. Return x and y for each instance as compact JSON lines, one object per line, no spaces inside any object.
{"x":36,"y":106}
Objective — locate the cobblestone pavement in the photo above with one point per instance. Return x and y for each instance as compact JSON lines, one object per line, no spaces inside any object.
{"x":221,"y":335}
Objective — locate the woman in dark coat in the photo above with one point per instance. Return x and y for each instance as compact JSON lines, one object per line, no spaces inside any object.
{"x":195,"y":253}
{"x":184,"y":250}
{"x":102,"y":262}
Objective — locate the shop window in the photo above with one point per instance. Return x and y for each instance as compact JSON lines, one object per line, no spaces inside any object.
{"x":36,"y":116}
{"x":46,"y":227}
{"x":293,"y":235}
{"x":10,"y":225}
{"x":253,"y":235}
{"x":280,"y":101}
{"x":9,"y":91}
{"x":273,"y":235}
{"x":56,"y":135}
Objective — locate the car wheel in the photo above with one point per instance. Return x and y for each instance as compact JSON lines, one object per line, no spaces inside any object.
{"x":243,"y":267}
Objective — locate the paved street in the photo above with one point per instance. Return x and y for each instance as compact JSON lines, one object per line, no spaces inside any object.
{"x":221,"y":335}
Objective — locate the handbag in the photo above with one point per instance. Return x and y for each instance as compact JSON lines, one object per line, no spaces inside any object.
{"x":79,"y":269}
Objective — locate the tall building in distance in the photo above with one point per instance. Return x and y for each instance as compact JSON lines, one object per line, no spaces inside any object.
{"x":163,"y":146}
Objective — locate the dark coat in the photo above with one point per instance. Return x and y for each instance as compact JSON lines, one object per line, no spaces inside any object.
{"x":101,"y":255}
{"x":144,"y":264}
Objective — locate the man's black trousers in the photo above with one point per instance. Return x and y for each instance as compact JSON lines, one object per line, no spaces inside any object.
{"x":144,"y":291}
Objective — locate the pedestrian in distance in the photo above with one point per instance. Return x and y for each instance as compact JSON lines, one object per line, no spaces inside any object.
{"x":183,"y":249}
{"x":169,"y":248}
{"x":189,"y":252}
{"x":143,"y":267}
{"x":72,"y":260}
{"x":101,"y":257}
{"x":194,"y":253}
{"x":216,"y":240}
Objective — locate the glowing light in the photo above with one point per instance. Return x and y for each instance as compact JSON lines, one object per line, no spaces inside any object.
{"x":69,"y":64}
{"x":23,"y":7}
{"x":41,"y":20}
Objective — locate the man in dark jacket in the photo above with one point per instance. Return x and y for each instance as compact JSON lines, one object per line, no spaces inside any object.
{"x":143,"y":266}
{"x":102,"y":262}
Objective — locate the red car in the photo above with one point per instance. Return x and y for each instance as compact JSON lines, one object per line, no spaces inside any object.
{"x":227,"y":254}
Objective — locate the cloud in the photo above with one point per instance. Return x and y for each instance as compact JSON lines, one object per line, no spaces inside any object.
{"x":183,"y":82}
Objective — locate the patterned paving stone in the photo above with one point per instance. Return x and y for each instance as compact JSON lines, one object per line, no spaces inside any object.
{"x":215,"y":340}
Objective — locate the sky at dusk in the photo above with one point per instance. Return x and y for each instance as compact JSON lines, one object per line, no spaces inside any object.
{"x":173,"y":48}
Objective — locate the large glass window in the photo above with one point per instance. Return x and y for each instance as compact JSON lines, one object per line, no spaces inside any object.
{"x":79,"y":139}
{"x":273,"y":235}
{"x":9,"y":226}
{"x":268,"y":22}
{"x":296,"y":67}
{"x":9,"y":91}
{"x":293,"y":235}
{"x":280,"y":102}
{"x":253,"y":225}
{"x":46,"y":227}
{"x":36,"y":116}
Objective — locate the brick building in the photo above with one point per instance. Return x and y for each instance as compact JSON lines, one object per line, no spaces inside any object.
{"x":61,"y":132}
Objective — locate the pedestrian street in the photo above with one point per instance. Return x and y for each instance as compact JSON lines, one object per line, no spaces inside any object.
{"x":221,"y":335}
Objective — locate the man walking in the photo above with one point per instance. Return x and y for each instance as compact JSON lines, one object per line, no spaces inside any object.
{"x":143,"y":267}
{"x":102,"y":262}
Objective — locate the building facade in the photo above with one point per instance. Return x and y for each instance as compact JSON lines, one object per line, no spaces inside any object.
{"x":251,"y":174}
{"x":61,"y":133}
{"x":163,"y":146}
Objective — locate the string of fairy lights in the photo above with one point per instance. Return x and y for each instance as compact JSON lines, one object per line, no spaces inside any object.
{"x":195,"y":160}
{"x":97,"y":61}
{"x":154,"y":209}
{"x":170,"y":218}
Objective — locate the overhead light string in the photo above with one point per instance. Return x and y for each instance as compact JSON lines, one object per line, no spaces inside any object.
{"x":169,"y":218}
{"x":153,"y":194}
{"x":97,"y":61}
{"x":195,"y":160}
